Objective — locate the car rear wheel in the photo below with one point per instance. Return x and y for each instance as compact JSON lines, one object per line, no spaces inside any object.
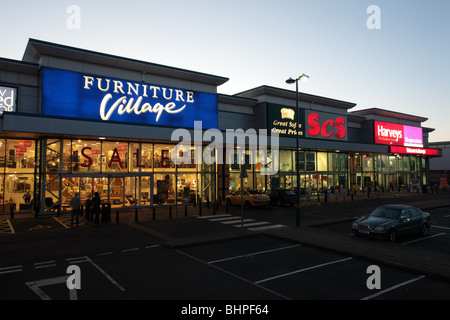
{"x":392,"y":235}
{"x":424,"y":230}
{"x":248,"y":205}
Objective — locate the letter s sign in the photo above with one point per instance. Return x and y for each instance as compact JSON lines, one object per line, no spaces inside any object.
{"x":324,"y":125}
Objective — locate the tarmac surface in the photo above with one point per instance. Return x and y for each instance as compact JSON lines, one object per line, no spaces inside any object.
{"x":183,"y":228}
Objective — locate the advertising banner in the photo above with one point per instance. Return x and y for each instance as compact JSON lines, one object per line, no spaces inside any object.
{"x":283,"y":120}
{"x":413,"y":150}
{"x":398,"y":134}
{"x":79,"y":95}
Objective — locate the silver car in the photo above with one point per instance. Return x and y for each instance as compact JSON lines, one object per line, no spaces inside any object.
{"x":391,"y":221}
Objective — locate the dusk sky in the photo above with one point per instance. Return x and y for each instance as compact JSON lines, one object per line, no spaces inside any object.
{"x":395,"y":57}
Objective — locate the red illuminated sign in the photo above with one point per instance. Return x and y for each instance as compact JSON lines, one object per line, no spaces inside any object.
{"x":389,"y":133}
{"x":414,"y":150}
{"x":397,"y":134}
{"x":325,"y":126}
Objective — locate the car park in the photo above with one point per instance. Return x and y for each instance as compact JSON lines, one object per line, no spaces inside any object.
{"x":392,"y":221}
{"x":281,"y":197}
{"x":252,"y":198}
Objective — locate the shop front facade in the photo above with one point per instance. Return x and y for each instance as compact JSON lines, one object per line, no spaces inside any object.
{"x":339,"y":149}
{"x":83,"y":122}
{"x":86,"y":123}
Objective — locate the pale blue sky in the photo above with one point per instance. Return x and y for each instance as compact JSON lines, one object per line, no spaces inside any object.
{"x":404,"y":66}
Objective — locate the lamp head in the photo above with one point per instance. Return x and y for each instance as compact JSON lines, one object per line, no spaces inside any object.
{"x":290,"y":81}
{"x":304,"y":77}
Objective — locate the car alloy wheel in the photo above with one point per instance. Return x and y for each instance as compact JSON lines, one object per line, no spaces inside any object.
{"x":392,"y":235}
{"x":424,"y":230}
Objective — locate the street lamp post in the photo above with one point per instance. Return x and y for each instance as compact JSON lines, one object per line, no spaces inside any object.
{"x":303,"y":77}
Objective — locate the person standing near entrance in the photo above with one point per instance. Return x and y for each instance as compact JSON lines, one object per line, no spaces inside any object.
{"x":96,"y":206}
{"x":76,"y":204}
{"x":27,"y":197}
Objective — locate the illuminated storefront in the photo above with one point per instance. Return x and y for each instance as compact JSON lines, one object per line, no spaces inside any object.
{"x":77,"y":121}
{"x":338,"y":148}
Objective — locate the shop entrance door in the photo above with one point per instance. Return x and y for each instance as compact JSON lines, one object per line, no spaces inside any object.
{"x":120,"y":191}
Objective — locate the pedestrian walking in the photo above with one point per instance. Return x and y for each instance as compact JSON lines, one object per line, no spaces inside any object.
{"x":96,"y":206}
{"x":27,"y":197}
{"x":75,"y":204}
{"x":88,"y":205}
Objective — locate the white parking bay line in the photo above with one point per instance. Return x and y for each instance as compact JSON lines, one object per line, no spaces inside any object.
{"x":272,"y":226}
{"x":302,"y":270}
{"x":392,"y":288}
{"x":237,"y":221}
{"x":252,"y":224}
{"x":214,"y":216}
{"x":440,"y":227}
{"x":424,"y":238}
{"x":10,"y":269}
{"x":254,"y":253}
{"x":223,"y":219}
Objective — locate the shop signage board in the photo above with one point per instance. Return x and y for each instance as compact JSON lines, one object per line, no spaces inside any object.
{"x":324,"y":125}
{"x":414,"y":150}
{"x":283,"y":120}
{"x":311,"y":124}
{"x":397,"y":134}
{"x":7,"y":99}
{"x":80,"y":95}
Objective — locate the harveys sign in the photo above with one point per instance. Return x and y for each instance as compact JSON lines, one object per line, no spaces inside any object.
{"x":398,"y":134}
{"x":323,"y":125}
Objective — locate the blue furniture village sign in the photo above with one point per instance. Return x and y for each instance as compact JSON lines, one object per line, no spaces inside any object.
{"x":79,"y":95}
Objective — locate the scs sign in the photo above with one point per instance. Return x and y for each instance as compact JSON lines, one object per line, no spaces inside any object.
{"x":324,"y":125}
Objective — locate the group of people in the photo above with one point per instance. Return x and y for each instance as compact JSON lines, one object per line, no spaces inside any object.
{"x":93,"y":203}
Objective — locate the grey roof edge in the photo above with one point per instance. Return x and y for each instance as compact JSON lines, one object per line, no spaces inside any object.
{"x":35,"y":48}
{"x":279,"y":92}
{"x":389,"y":113}
{"x":231,"y":99}
{"x":18,"y":65}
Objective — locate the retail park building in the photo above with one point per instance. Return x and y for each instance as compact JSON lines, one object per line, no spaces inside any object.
{"x":77,"y":121}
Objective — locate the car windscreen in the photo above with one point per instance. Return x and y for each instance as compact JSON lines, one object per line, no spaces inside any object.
{"x":390,"y":213}
{"x":290,"y":193}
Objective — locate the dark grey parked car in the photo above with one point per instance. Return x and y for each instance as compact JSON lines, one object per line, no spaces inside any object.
{"x":391,"y":221}
{"x":281,"y":197}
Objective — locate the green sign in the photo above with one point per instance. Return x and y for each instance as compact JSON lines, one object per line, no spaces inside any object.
{"x":282,"y":119}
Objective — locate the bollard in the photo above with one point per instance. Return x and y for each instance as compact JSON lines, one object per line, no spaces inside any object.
{"x":170,"y":212}
{"x":214,"y":208}
{"x":136,"y":215}
{"x":154,"y":213}
{"x":207,"y":202}
{"x":11,"y":208}
{"x":227,"y":207}
{"x":117,"y":216}
{"x":200,"y":207}
{"x":185,"y":210}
